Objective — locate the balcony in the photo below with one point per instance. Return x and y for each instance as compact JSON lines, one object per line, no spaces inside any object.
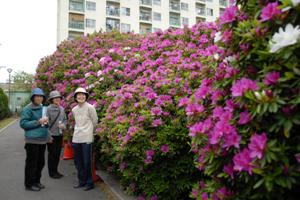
{"x":200,"y":19}
{"x":223,"y":3}
{"x":76,"y":6}
{"x":145,"y":28}
{"x":113,"y":11}
{"x":117,"y":1}
{"x":174,"y":20}
{"x":145,"y":15}
{"x":146,"y":3}
{"x":76,"y":25}
{"x":112,"y":24}
{"x":175,"y":6}
{"x":200,"y":11}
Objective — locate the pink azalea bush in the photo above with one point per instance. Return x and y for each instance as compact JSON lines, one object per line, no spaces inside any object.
{"x":185,"y":115}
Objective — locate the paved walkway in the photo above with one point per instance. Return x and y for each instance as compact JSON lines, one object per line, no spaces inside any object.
{"x":12,"y":160}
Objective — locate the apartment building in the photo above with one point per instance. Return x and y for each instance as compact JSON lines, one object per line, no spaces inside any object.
{"x":79,"y":17}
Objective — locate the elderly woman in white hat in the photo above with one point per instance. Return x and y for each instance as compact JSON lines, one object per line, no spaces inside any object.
{"x":85,"y":122}
{"x":57,"y":123}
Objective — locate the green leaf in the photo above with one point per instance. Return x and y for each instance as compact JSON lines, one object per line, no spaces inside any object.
{"x":259,"y":183}
{"x":287,"y":127}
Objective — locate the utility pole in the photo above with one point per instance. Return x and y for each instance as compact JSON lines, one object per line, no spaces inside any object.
{"x":9,"y":70}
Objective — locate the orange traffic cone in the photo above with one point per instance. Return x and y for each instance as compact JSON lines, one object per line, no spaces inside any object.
{"x":96,"y":178}
{"x":68,"y":151}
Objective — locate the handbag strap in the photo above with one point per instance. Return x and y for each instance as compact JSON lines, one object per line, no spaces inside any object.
{"x":55,"y":119}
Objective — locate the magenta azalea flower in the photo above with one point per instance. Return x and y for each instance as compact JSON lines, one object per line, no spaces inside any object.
{"x":183,"y":101}
{"x":157,"y":122}
{"x":232,"y":139}
{"x":242,"y":85}
{"x":229,"y":15}
{"x":297,"y":156}
{"x":257,"y":145}
{"x":165,"y":148}
{"x":244,"y":118}
{"x":242,"y":161}
{"x":270,"y":11}
{"x":272,"y":78}
{"x":228,"y":169}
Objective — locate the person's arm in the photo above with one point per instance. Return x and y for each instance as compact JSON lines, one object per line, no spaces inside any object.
{"x":26,"y":121}
{"x":93,"y":115}
{"x":64,"y":121}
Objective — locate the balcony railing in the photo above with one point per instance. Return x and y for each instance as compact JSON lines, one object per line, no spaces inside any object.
{"x":145,"y":16}
{"x":112,"y":11}
{"x":174,"y":21}
{"x":146,"y":2}
{"x":145,"y":30}
{"x":76,"y":24}
{"x":223,"y":3}
{"x":174,"y":6}
{"x":112,"y":24}
{"x":76,"y":6}
{"x":200,"y":11}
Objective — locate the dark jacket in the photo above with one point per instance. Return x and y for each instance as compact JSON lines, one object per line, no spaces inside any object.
{"x":34,"y":132}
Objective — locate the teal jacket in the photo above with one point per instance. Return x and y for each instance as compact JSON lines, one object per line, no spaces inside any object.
{"x":29,"y":122}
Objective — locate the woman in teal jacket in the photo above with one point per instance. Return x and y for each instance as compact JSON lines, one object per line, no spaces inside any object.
{"x":36,"y":138}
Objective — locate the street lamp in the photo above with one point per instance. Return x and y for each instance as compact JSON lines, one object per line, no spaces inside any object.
{"x":9,"y":70}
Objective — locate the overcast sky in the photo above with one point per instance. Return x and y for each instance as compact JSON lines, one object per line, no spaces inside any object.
{"x":27,"y":33}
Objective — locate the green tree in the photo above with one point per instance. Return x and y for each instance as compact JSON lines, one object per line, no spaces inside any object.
{"x":22,"y":81}
{"x":4,"y":110}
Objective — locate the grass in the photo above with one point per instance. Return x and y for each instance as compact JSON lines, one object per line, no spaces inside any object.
{"x":6,"y":121}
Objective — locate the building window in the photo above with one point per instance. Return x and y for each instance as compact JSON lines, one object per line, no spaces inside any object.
{"x":125,"y":28}
{"x":90,"y":23}
{"x":76,"y":5}
{"x":73,"y":34}
{"x":174,"y":5}
{"x":157,"y":16}
{"x":146,"y":2}
{"x":156,"y":29}
{"x":185,"y":6}
{"x":112,"y":24}
{"x":157,"y":2}
{"x":209,"y":1}
{"x":185,"y":21}
{"x":113,"y":10}
{"x":174,"y":20}
{"x":91,"y":5}
{"x":145,"y":15}
{"x":125,"y":11}
{"x":209,"y":12}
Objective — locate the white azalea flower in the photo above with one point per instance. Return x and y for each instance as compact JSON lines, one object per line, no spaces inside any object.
{"x":295,"y":2}
{"x":87,"y":75}
{"x":284,"y":38}
{"x":216,"y":56}
{"x":218,"y":37}
{"x":111,"y":50}
{"x":102,"y":59}
{"x":229,"y":59}
{"x":101,"y":79}
{"x":99,"y":73}
{"x":126,"y":48}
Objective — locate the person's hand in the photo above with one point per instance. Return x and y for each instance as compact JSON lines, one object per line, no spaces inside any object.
{"x":43,"y":120}
{"x":50,"y":140}
{"x":61,"y":126}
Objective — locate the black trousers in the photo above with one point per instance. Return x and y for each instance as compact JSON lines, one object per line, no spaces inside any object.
{"x":34,"y":163}
{"x":54,"y":150}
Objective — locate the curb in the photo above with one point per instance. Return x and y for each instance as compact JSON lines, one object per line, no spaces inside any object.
{"x":1,"y":130}
{"x":112,"y":186}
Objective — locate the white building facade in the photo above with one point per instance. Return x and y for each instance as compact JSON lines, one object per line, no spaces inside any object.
{"x":79,"y":17}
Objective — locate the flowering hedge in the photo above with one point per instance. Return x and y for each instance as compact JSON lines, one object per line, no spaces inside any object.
{"x":208,"y":112}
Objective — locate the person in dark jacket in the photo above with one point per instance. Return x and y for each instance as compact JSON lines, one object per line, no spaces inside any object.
{"x":57,"y":123}
{"x":34,"y":122}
